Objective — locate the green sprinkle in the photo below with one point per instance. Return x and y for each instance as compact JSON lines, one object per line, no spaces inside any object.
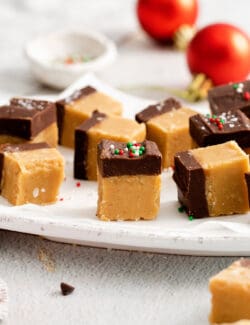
{"x":142,"y":148}
{"x":181,"y":209}
{"x":214,"y":116}
{"x":235,"y":86}
{"x":129,"y":145}
{"x":133,"y":150}
{"x":191,"y":217}
{"x":222,"y":121}
{"x":140,"y":153}
{"x":116,"y":151}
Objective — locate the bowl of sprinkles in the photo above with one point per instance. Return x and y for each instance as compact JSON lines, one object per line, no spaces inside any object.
{"x":58,"y":59}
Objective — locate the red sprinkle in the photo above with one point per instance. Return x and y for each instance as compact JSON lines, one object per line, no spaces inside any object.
{"x":211,"y":120}
{"x":220,"y":126}
{"x":246,"y":95}
{"x":78,"y":184}
{"x":121,"y":152}
{"x":131,"y":155}
{"x":68,"y":60}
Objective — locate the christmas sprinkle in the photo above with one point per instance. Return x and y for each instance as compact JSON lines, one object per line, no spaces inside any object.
{"x":78,"y":184}
{"x":181,"y":209}
{"x":214,"y":119}
{"x":190,"y":217}
{"x":133,"y":149}
{"x":239,"y":88}
{"x":74,"y":59}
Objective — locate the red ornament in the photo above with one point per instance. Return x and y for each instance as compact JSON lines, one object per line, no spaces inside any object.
{"x":162,"y":18}
{"x":221,"y":52}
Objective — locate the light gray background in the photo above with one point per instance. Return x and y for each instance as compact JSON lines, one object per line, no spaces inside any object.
{"x":112,"y":287}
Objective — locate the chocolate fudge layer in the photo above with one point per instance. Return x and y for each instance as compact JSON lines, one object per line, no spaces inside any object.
{"x":78,"y":107}
{"x":82,"y":143}
{"x":30,"y":173}
{"x":230,"y":97}
{"x":25,"y":118}
{"x":92,"y":131}
{"x":211,"y":180}
{"x":157,"y":109}
{"x":129,"y":180}
{"x":214,"y":129}
{"x":116,"y":159}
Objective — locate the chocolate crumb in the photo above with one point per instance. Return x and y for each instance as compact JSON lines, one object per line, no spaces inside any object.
{"x":66,"y":289}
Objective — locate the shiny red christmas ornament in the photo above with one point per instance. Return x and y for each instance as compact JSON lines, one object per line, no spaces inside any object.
{"x":162,"y":18}
{"x":221,"y":52}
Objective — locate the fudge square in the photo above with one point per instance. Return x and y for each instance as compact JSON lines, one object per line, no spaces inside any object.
{"x":28,"y":120}
{"x":214,"y":129}
{"x":92,"y":131}
{"x":30,"y":173}
{"x":211,"y":180}
{"x":167,"y":124}
{"x":78,"y":107}
{"x":230,"y":291}
{"x":230,"y":97}
{"x":129,"y":180}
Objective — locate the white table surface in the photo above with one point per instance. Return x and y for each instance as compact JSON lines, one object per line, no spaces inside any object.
{"x":112,"y":287}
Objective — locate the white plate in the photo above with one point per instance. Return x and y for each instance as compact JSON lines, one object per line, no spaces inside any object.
{"x":73,"y":220}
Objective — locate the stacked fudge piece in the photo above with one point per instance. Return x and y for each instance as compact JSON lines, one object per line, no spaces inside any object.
{"x":215,"y":180}
{"x":31,"y":168}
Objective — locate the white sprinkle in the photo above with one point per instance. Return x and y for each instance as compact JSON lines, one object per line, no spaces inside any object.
{"x":240,"y":85}
{"x":231,"y":125}
{"x":126,"y":149}
{"x":136,"y":153}
{"x":112,"y":147}
{"x":203,"y":127}
{"x":43,"y":190}
{"x":239,"y":90}
{"x":35,"y":192}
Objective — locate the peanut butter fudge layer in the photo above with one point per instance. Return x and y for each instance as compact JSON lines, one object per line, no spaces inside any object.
{"x":92,"y":131}
{"x":167,"y":124}
{"x":28,"y":120}
{"x":230,"y":291}
{"x":78,"y":107}
{"x":30,"y":173}
{"x":230,"y":97}
{"x":214,"y":129}
{"x":211,"y":181}
{"x":129,"y":180}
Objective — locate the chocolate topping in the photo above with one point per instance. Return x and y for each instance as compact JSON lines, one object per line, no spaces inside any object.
{"x":190,"y":179}
{"x":66,"y":289}
{"x":110,"y":164}
{"x":81,"y":144}
{"x":61,"y":105}
{"x":235,"y":126}
{"x":247,"y":178}
{"x":157,"y":109}
{"x":25,"y":118}
{"x":230,"y":98}
{"x":17,"y":148}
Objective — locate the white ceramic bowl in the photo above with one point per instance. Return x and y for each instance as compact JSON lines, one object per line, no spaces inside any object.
{"x":46,"y":55}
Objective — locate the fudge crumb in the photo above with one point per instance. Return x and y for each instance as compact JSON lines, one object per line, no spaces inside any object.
{"x":47,"y":260}
{"x":66,"y":289}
